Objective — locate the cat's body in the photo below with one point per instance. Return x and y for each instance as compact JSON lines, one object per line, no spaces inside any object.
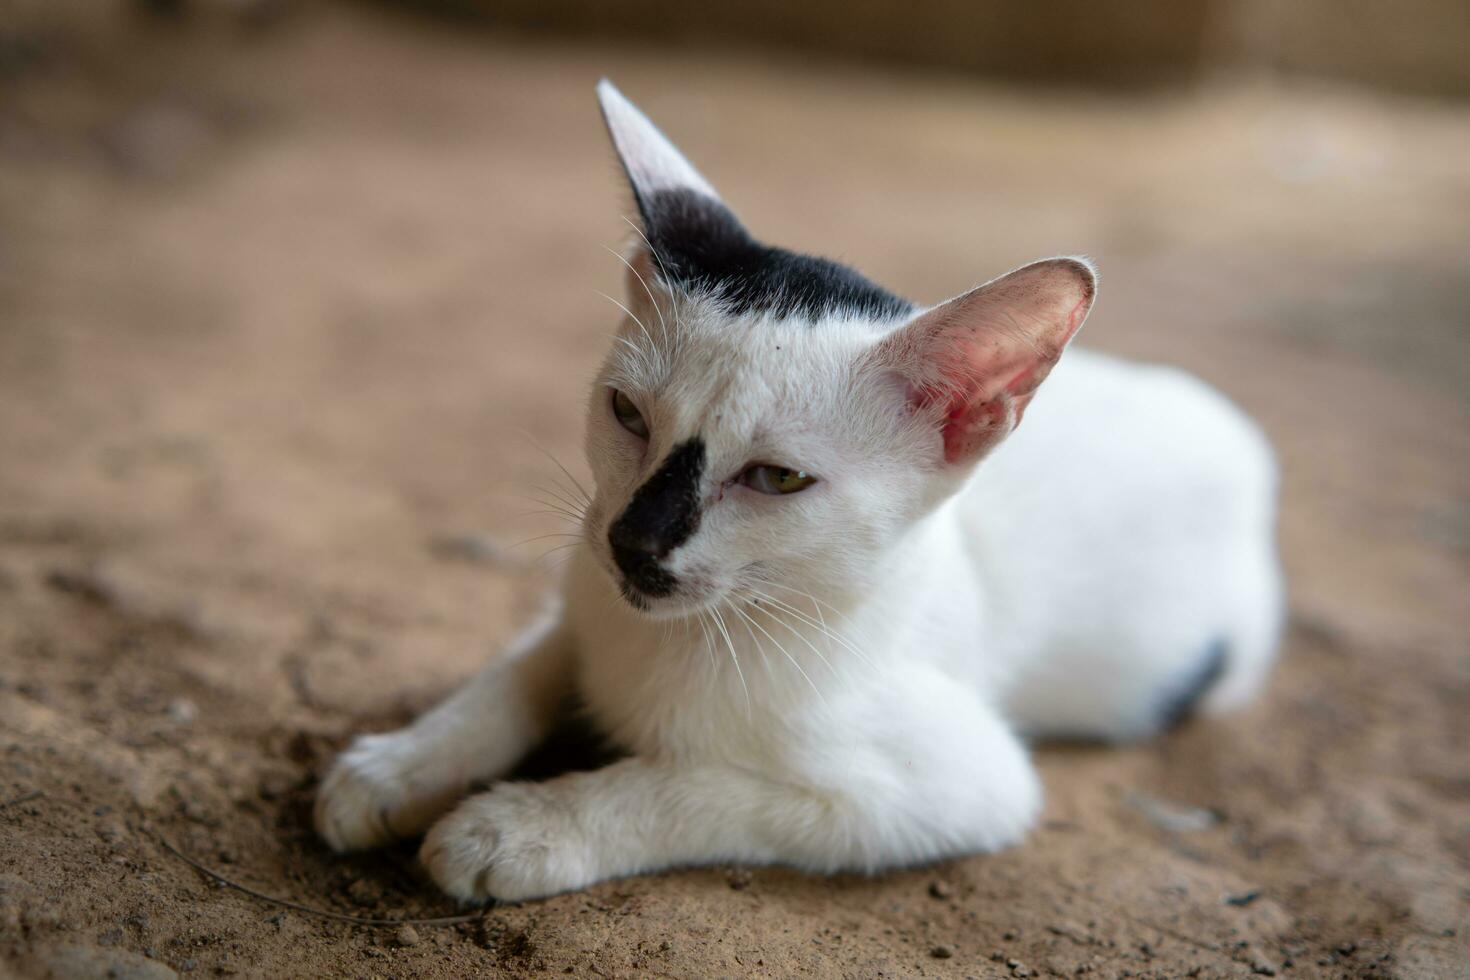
{"x":834,"y":670}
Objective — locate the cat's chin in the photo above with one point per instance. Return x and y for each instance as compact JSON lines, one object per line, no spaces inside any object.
{"x":660,"y":607}
{"x":677,"y":605}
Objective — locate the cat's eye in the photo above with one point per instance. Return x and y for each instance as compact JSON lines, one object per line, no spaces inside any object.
{"x":628,"y":415}
{"x":776,"y":479}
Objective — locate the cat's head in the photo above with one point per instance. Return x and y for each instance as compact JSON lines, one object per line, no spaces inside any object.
{"x":768,"y":421}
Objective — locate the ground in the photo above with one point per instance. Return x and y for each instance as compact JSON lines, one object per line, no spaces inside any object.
{"x":284,"y":318}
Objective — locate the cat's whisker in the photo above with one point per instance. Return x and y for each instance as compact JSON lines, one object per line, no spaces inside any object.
{"x":561,"y":547}
{"x":554,"y":501}
{"x":709,"y":649}
{"x":817,"y":604}
{"x":560,"y":562}
{"x":784,"y":652}
{"x":571,"y":494}
{"x":543,"y":537}
{"x":644,"y":360}
{"x":633,"y":316}
{"x":620,"y":257}
{"x":756,"y":644}
{"x":556,"y":462}
{"x":562,"y":499}
{"x":804,"y":618}
{"x":755,"y":599}
{"x":730,"y":645}
{"x":782,"y":613}
{"x":674,"y":305}
{"x":559,"y":515}
{"x":818,"y":622}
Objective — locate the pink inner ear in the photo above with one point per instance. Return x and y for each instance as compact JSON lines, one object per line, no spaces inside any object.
{"x":981,"y":414}
{"x":979,"y":409}
{"x":982,"y":355}
{"x":970,"y":429}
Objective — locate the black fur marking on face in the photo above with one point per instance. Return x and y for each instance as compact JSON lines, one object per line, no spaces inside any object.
{"x":662,"y":515}
{"x":703,"y":248}
{"x":1179,"y":702}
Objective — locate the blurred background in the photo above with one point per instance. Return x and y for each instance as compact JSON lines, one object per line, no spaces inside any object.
{"x":291,"y":292}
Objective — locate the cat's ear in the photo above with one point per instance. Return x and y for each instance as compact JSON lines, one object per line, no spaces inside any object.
{"x":973,"y":363}
{"x":678,"y":209}
{"x":652,"y":163}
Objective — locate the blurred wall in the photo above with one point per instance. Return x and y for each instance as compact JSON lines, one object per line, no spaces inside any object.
{"x":1139,"y":41}
{"x":1412,"y":45}
{"x":1418,"y":46}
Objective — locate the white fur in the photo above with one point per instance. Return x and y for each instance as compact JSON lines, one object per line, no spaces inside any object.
{"x":651,"y":160}
{"x":844,"y":678}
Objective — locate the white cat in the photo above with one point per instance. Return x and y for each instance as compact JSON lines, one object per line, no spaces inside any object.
{"x":815,"y":621}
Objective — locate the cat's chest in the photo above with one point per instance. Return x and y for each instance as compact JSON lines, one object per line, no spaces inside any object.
{"x":683,"y":689}
{"x":670,"y":694}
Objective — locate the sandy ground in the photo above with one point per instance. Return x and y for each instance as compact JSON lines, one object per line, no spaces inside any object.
{"x":278,"y":315}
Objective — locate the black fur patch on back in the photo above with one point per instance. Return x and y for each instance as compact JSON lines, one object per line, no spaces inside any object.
{"x":1180,"y":700}
{"x":703,"y":248}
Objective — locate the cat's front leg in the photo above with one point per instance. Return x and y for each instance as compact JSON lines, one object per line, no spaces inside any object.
{"x":528,"y":840}
{"x":396,"y":784}
{"x":942,"y":784}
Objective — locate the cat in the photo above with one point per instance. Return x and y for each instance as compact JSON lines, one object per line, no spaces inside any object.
{"x":826,"y":581}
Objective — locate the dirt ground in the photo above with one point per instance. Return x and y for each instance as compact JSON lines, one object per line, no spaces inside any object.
{"x":280,"y":315}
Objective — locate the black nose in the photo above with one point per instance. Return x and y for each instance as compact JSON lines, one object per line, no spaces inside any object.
{"x":638,"y":556}
{"x":637,"y":542}
{"x":662,"y":515}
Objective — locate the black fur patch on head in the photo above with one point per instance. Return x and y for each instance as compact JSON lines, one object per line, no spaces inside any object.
{"x":703,"y":248}
{"x":662,"y":515}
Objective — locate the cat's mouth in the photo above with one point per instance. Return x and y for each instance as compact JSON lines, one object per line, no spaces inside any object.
{"x":634,"y":596}
{"x":677,"y":600}
{"x":670,"y":598}
{"x":655,"y":590}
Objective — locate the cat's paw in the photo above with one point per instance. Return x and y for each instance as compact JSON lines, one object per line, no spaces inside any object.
{"x":513,"y":843}
{"x":378,"y":790}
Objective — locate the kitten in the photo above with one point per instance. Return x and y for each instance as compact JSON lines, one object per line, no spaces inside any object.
{"x":818,"y":626}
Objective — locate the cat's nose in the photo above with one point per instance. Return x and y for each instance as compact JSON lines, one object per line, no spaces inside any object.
{"x":635,"y":545}
{"x":638,"y":556}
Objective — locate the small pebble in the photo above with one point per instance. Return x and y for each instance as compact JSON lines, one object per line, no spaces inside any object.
{"x":940,"y":889}
{"x":942,"y":952}
{"x":407,"y":935}
{"x":182,"y":711}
